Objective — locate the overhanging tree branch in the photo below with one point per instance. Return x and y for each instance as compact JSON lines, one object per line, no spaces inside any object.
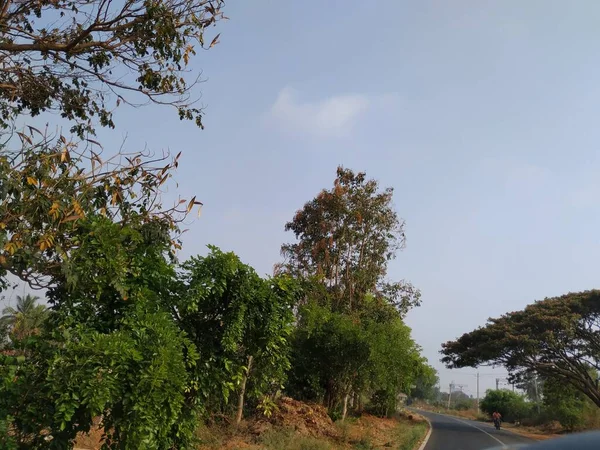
{"x":75,"y":64}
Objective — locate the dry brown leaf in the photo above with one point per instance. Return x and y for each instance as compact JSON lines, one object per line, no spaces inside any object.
{"x":70,"y":218}
{"x":215,"y":41}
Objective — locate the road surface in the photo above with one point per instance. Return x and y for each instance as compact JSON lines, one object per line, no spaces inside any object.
{"x":454,"y":433}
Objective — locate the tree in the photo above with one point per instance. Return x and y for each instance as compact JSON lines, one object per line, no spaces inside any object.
{"x":4,"y":332}
{"x":330,"y":352}
{"x":565,"y":404}
{"x":83,"y":58}
{"x":510,"y":405}
{"x":345,"y":237}
{"x":350,"y":338}
{"x":426,"y":383}
{"x":394,"y":363}
{"x":556,"y":338}
{"x":240,"y":323}
{"x":337,"y":356}
{"x":110,"y":346}
{"x":533,"y":387}
{"x":460,"y":401}
{"x":136,"y":377}
{"x":93,"y":231}
{"x":26,"y":319}
{"x":48,"y":187}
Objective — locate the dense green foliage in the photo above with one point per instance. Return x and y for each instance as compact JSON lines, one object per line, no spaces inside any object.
{"x":330,"y":353}
{"x":426,"y":384}
{"x":135,"y":377}
{"x":236,"y":319}
{"x":565,"y":404}
{"x":108,"y":349}
{"x":511,"y":405}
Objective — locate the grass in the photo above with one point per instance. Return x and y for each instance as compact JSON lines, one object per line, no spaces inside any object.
{"x":208,"y":437}
{"x":278,"y":439}
{"x":363,"y":444}
{"x":409,"y":434}
{"x":214,"y":436}
{"x":369,"y":433}
{"x":344,"y":428}
{"x":364,"y":433}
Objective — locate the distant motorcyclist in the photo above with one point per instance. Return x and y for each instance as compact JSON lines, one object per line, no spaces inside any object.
{"x":497,"y":417}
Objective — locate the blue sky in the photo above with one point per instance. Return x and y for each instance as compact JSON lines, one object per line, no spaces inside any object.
{"x":483,"y":115}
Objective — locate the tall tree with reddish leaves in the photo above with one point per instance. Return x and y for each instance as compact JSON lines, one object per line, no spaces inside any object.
{"x":346,"y":237}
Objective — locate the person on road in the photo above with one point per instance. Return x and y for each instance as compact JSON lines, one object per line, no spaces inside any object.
{"x":497,"y":417}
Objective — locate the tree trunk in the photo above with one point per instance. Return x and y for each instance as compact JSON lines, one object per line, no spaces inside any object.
{"x":331,"y":395}
{"x":345,"y":407}
{"x":240,"y":408}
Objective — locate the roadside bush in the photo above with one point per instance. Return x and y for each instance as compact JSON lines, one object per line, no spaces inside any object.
{"x":511,"y":405}
{"x":570,"y":415}
{"x":565,"y":404}
{"x":591,"y":414}
{"x":135,"y":377}
{"x":464,"y":404}
{"x":382,"y":403}
{"x":7,"y":442}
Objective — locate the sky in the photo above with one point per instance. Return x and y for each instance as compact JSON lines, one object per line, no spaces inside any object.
{"x":482,"y":115}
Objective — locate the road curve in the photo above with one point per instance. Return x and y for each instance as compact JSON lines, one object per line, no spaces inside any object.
{"x":454,"y":433}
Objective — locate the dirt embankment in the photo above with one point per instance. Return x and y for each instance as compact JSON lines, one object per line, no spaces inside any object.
{"x":304,"y":418}
{"x":296,"y":425}
{"x":296,"y":417}
{"x":548,"y":431}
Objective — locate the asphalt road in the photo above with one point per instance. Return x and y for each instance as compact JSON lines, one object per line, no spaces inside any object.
{"x":453,"y":433}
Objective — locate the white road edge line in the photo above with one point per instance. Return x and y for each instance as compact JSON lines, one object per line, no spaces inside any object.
{"x":483,"y":431}
{"x":422,"y":447}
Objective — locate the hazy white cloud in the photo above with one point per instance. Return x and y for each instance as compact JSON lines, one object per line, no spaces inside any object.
{"x":333,"y":116}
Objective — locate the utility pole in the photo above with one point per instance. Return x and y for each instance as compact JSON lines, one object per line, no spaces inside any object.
{"x":497,"y":383}
{"x":477,"y":391}
{"x":450,"y":393}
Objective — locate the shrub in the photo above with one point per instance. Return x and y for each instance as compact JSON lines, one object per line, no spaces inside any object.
{"x":511,"y":405}
{"x":565,"y":404}
{"x":135,"y":377}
